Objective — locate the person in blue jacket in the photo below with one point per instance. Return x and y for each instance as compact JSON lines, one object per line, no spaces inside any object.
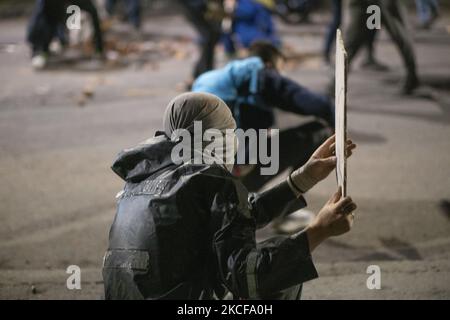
{"x":252,"y":21}
{"x":253,"y":87}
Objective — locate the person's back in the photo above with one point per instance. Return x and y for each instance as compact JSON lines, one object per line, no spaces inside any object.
{"x":162,"y":242}
{"x":228,"y":82}
{"x":163,"y":226}
{"x":187,"y":232}
{"x":253,"y":21}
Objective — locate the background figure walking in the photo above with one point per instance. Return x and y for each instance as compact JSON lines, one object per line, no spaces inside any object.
{"x":427,"y":12}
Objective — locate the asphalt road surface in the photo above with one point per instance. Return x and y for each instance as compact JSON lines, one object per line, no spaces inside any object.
{"x":61,"y":128}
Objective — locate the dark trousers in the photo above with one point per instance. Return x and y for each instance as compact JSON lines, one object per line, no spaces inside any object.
{"x":426,"y":9}
{"x":372,"y":35}
{"x":209,"y":32}
{"x":133,"y":8}
{"x":392,"y":19}
{"x":333,"y":26}
{"x":90,"y":9}
{"x":48,"y":21}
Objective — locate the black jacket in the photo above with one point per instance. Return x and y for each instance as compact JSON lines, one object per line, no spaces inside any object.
{"x":188,"y":232}
{"x":276,"y":91}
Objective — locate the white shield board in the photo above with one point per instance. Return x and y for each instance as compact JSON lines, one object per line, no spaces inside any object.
{"x":341,"y":112}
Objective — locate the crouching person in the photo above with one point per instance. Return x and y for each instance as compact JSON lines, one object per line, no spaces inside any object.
{"x":187,"y":230}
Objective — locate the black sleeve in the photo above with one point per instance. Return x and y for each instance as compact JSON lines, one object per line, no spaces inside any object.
{"x":275,"y":202}
{"x":248,"y":270}
{"x":283,"y":93}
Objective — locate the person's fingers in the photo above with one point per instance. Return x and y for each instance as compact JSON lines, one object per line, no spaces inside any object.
{"x":342,"y":203}
{"x":350,"y":146}
{"x":351,"y":219}
{"x":329,"y":141}
{"x":336,"y":196}
{"x":332,"y":148}
{"x":349,"y":208}
{"x":329,"y":162}
{"x":348,"y":149}
{"x":324,"y":148}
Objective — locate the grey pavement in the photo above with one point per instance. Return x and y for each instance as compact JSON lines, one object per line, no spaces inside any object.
{"x":57,"y":191}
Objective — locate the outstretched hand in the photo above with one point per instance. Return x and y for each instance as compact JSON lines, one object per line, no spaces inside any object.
{"x":320,"y":165}
{"x":323,"y":160}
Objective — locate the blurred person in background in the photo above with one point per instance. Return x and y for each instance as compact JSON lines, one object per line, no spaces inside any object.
{"x":253,"y":88}
{"x":295,"y":12}
{"x":257,"y":81}
{"x":427,"y":12}
{"x":133,"y":11}
{"x":206,"y":17}
{"x":370,"y":61}
{"x":332,"y":27}
{"x":251,"y":21}
{"x":48,"y":22}
{"x":393,"y":19}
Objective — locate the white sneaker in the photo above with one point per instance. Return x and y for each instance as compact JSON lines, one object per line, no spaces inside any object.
{"x":39,"y":61}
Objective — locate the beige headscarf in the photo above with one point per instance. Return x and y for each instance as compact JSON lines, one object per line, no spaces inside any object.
{"x":212,"y":113}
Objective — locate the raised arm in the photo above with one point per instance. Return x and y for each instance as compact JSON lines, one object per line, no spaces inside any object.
{"x":252,"y":271}
{"x":287,"y":196}
{"x":275,"y":202}
{"x":286,"y":94}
